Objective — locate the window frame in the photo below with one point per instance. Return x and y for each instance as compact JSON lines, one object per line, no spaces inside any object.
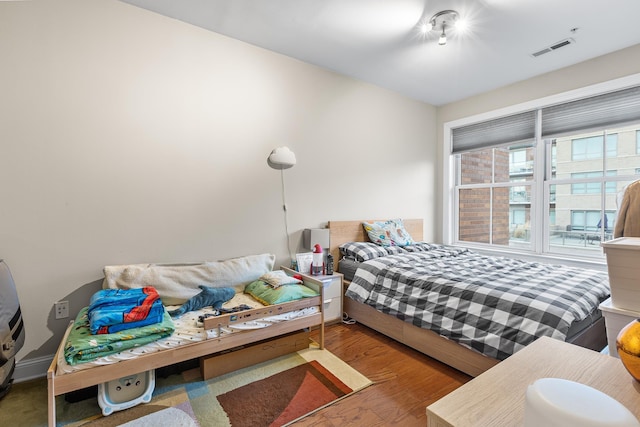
{"x":540,"y":192}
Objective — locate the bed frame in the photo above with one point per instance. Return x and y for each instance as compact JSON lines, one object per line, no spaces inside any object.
{"x":424,"y":340}
{"x":68,"y":382}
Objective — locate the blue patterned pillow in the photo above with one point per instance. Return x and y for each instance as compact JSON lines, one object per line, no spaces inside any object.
{"x":362,"y":251}
{"x":388,"y":233}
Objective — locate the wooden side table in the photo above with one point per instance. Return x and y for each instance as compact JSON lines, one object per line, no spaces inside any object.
{"x":332,"y":296}
{"x":496,"y":397}
{"x":332,"y":292}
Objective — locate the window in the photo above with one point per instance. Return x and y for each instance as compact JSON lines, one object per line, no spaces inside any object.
{"x":545,"y":189}
{"x":494,"y":206}
{"x":592,"y":147}
{"x":591,"y":187}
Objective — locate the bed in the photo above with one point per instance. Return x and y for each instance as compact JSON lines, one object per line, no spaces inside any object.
{"x":196,"y":334}
{"x":455,"y":350}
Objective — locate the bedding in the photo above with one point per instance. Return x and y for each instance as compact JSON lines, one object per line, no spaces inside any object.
{"x":388,"y":233}
{"x":278,"y":278}
{"x":188,"y":329}
{"x":269,"y":295}
{"x":176,"y":283}
{"x":82,"y":345}
{"x":114,"y":310}
{"x":493,"y":305}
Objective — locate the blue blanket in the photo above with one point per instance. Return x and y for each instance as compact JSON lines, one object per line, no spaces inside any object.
{"x":114,"y":310}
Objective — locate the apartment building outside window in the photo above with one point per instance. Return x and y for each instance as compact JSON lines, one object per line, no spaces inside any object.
{"x":591,"y":147}
{"x":546,"y":190}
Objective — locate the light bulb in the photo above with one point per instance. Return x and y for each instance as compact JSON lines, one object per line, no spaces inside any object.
{"x":443,"y":38}
{"x":426,"y":27}
{"x":462,"y":24}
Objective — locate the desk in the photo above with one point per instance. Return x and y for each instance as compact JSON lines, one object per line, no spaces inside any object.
{"x":496,"y":397}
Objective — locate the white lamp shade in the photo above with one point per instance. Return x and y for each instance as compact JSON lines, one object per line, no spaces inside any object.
{"x":313,"y":236}
{"x":281,"y":158}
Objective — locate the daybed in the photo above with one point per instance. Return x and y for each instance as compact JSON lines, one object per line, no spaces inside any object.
{"x":384,"y":314}
{"x":190,"y":340}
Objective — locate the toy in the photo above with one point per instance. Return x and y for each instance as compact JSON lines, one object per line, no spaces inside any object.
{"x":317,"y":266}
{"x":126,"y":392}
{"x":209,"y":296}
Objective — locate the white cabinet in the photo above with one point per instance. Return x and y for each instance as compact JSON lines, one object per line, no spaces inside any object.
{"x":332,"y":285}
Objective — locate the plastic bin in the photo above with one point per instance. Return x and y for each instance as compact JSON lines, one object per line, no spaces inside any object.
{"x":615,"y":319}
{"x":623,"y":264}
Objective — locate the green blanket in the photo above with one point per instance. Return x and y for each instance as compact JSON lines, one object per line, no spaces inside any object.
{"x":82,"y":346}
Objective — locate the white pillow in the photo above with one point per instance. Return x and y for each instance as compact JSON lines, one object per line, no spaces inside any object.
{"x":177,"y":283}
{"x":277,"y":278}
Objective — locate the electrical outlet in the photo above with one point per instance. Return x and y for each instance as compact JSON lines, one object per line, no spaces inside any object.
{"x":61,"y":309}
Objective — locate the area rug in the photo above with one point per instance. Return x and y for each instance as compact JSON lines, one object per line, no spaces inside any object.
{"x":274,"y":393}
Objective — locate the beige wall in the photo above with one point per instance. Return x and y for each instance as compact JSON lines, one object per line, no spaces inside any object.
{"x":128,"y":137}
{"x":602,"y":69}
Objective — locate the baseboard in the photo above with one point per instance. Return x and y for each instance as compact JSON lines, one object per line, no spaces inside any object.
{"x":31,"y":369}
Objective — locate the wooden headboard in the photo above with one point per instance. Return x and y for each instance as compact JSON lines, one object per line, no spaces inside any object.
{"x":352,"y":231}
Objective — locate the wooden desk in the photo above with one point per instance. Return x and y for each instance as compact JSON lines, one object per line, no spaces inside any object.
{"x":496,"y":397}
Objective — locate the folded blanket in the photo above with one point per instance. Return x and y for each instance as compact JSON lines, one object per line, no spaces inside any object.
{"x":82,"y":346}
{"x":108,"y":320}
{"x":112,"y":310}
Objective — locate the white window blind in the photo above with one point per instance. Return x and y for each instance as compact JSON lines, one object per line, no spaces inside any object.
{"x":503,"y":130}
{"x":597,"y":112}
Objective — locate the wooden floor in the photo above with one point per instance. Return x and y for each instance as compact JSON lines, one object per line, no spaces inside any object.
{"x":405,"y":381}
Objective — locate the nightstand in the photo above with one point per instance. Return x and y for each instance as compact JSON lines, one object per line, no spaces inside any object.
{"x":332,"y":286}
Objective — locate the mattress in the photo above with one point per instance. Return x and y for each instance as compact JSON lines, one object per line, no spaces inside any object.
{"x":348,"y":267}
{"x":189,"y":329}
{"x":494,"y":305}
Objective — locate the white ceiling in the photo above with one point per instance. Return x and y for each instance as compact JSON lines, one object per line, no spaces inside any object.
{"x":378,"y":41}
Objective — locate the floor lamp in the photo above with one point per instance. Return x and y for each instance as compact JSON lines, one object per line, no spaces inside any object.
{"x":282,"y":158}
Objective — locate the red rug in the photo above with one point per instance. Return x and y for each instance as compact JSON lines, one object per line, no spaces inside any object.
{"x":283,"y":397}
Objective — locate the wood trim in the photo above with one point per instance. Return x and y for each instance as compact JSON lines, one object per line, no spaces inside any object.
{"x":230,"y":319}
{"x":425,"y":341}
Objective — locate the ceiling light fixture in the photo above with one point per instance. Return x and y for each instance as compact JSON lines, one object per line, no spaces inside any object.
{"x":440,"y":22}
{"x":443,"y":37}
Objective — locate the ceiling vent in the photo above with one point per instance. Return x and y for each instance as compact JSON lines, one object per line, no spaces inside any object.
{"x":555,"y":46}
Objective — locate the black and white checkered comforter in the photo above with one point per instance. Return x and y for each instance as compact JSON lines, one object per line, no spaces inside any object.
{"x":493,"y":305}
